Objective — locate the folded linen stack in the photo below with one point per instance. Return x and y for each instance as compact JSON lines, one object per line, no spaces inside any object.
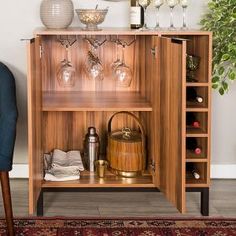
{"x":62,"y":166}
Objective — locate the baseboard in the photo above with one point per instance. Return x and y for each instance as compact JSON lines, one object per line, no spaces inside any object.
{"x":223,"y":171}
{"x":217,"y":171}
{"x":20,"y":171}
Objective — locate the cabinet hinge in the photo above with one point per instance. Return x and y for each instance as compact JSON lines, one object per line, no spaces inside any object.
{"x":154,"y":51}
{"x":40,"y":51}
{"x":153,"y":166}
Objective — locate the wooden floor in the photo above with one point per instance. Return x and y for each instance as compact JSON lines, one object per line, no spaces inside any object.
{"x":222,"y":202}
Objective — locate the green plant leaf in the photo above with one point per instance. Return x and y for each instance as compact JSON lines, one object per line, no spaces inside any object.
{"x":225,"y":57}
{"x":215,"y":79}
{"x":221,"y":70}
{"x":225,"y":85}
{"x":215,"y":86}
{"x":221,"y":20}
{"x":221,"y":91}
{"x":232,"y":75}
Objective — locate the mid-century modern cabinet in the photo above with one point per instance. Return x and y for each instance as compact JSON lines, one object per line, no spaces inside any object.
{"x":59,"y":117}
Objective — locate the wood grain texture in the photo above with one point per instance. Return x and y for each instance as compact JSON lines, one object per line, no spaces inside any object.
{"x":34,"y":122}
{"x":115,"y":31}
{"x":127,"y":154}
{"x":173,"y":104}
{"x":95,"y":101}
{"x":110,"y":180}
{"x":54,"y":53}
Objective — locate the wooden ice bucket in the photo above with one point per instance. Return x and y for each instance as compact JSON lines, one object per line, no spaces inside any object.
{"x":126,"y":149}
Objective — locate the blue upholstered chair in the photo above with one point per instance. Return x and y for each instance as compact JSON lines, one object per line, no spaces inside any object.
{"x":8,"y":118}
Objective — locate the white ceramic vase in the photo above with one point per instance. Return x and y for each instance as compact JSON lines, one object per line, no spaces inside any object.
{"x":56,"y":14}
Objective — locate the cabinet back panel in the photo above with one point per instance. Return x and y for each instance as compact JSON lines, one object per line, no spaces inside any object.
{"x":199,"y":46}
{"x":54,"y":53}
{"x":66,"y":130}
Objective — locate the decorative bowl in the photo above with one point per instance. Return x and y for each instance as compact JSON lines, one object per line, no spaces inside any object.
{"x":91,"y":17}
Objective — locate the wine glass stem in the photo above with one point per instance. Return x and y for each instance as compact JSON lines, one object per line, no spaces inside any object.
{"x":184,"y":17}
{"x":123,"y":54}
{"x":171,"y":18}
{"x":145,"y":17}
{"x":158,"y":18}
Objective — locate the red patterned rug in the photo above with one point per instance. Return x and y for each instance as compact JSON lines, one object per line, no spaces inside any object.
{"x":122,"y":227}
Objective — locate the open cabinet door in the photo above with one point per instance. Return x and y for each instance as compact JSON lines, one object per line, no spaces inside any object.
{"x":34,"y":123}
{"x":172,"y":56}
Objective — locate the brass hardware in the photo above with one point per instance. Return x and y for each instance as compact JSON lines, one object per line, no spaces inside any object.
{"x":126,"y":174}
{"x":153,"y":51}
{"x":153,"y":167}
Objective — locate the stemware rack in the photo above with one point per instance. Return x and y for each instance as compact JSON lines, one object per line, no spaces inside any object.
{"x":59,"y":117}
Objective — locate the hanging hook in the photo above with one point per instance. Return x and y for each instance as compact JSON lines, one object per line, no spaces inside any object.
{"x":95,"y":42}
{"x":66,"y":41}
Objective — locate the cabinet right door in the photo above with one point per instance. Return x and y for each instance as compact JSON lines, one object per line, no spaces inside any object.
{"x":172,"y":58}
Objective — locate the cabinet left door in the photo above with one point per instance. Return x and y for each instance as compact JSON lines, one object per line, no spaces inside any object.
{"x":35,"y":153}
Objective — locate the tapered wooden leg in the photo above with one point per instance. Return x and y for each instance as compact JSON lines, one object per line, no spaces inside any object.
{"x":6,"y":195}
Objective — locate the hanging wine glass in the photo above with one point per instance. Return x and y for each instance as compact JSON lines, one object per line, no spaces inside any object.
{"x":172,"y":4}
{"x":66,"y":72}
{"x":157,"y":4}
{"x":144,"y":4}
{"x":95,"y":68}
{"x":118,"y":61}
{"x":123,"y":73}
{"x":94,"y":65}
{"x":184,"y":4}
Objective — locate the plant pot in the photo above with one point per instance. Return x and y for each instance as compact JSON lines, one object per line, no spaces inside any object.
{"x":56,"y":14}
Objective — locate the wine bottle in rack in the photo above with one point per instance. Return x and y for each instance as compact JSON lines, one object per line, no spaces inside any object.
{"x":191,"y":120}
{"x":192,"y":145}
{"x":136,"y":15}
{"x":190,"y":168}
{"x":192,"y":96}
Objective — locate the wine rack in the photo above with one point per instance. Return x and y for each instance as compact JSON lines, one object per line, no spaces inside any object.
{"x":201,"y":111}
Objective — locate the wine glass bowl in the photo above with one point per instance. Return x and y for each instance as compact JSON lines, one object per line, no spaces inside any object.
{"x":123,"y":75}
{"x":66,"y":74}
{"x":95,"y":68}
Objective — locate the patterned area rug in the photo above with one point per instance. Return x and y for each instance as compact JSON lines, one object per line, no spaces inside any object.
{"x":122,"y":227}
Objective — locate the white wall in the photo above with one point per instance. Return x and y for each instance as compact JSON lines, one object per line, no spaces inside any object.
{"x":18,"y":19}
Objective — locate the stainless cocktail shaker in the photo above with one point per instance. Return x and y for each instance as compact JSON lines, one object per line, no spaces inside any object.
{"x":91,"y":149}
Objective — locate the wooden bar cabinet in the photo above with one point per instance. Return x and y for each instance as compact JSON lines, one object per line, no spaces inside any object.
{"x":59,"y":117}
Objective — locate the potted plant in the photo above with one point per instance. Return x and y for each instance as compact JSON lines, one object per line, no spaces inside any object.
{"x":221,"y":19}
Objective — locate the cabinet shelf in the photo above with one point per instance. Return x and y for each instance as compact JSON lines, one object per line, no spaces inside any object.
{"x":95,"y":101}
{"x":196,"y":108}
{"x":195,"y":159}
{"x":196,"y":183}
{"x":196,"y":132}
{"x":197,"y":84}
{"x":89,"y":179}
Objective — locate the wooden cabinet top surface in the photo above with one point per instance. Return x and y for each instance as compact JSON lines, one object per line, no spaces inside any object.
{"x":116,"y":31}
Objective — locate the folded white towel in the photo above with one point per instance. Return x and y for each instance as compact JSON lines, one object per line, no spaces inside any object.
{"x":71,"y":158}
{"x":50,"y":177}
{"x":58,"y":170}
